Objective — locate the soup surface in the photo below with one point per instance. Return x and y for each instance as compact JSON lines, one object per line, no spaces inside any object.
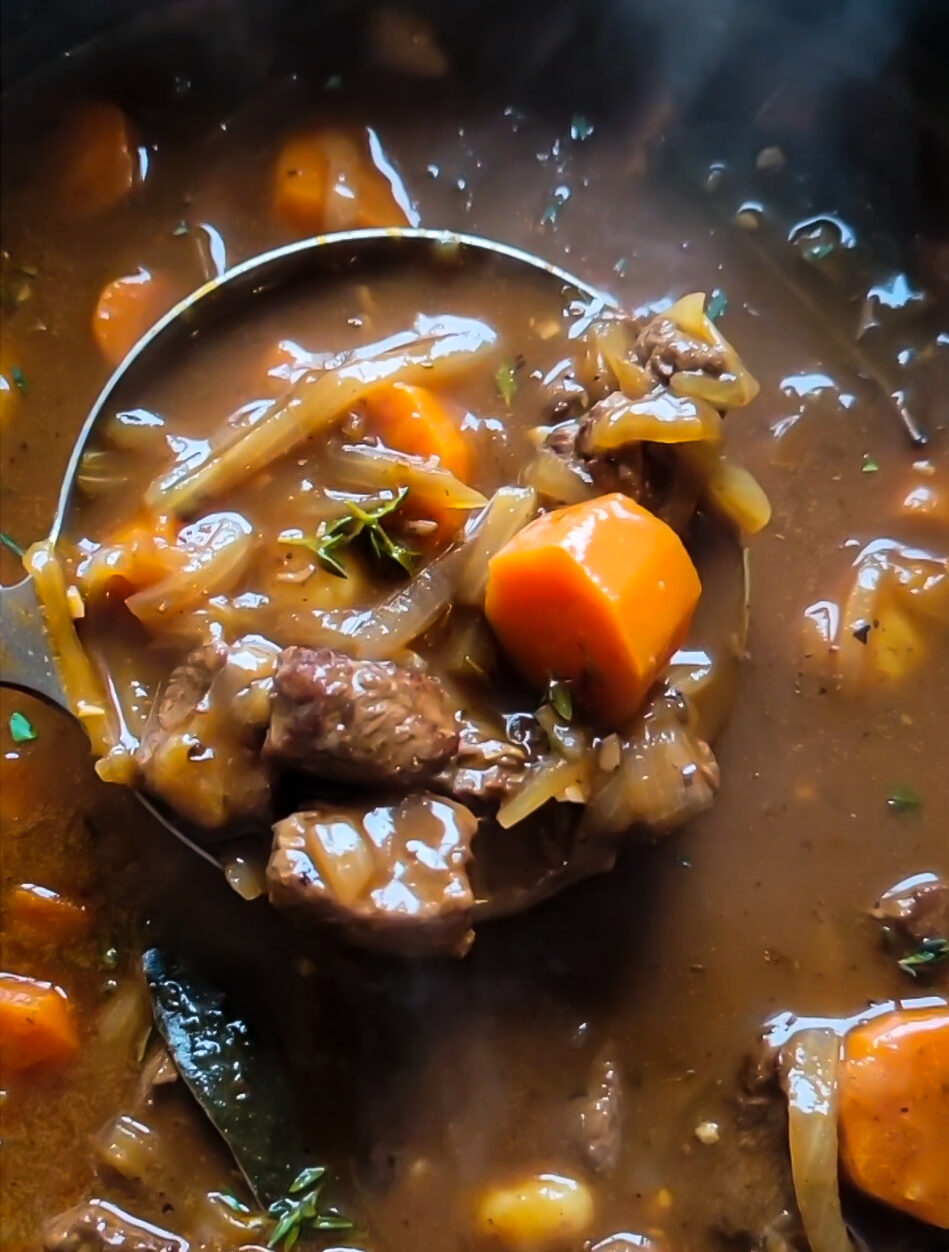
{"x":598,"y":1038}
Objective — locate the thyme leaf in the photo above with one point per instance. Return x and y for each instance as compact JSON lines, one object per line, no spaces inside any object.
{"x":929,"y":953}
{"x":505,"y":379}
{"x":298,"y":1209}
{"x":332,"y":537}
{"x":22,"y":729}
{"x":560,"y":699}
{"x":904,"y":799}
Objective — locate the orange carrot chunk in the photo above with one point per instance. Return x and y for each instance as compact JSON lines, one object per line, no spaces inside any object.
{"x":894,"y":1111}
{"x":48,"y":913}
{"x":100,"y":164}
{"x":327,"y":180}
{"x":127,"y":307}
{"x":600,"y":593}
{"x":37,"y":1024}
{"x":416,"y":420}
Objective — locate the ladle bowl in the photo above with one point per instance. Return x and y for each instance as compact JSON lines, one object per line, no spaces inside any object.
{"x":27,"y":661}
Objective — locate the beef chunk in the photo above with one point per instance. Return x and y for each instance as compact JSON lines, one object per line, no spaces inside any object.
{"x":601,"y":1117}
{"x":200,"y":751}
{"x":486,"y":768}
{"x":605,"y":473}
{"x":666,"y":350}
{"x":98,"y":1225}
{"x":369,"y":722}
{"x":392,"y":877}
{"x":917,"y":908}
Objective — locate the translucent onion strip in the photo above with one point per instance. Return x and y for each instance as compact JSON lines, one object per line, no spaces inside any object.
{"x":729,"y":488}
{"x":508,"y":511}
{"x":557,"y":479}
{"x":810,"y":1075}
{"x":438,"y":349}
{"x":557,"y":779}
{"x":380,"y":469}
{"x":657,"y":418}
{"x":736,"y":386}
{"x":81,"y":685}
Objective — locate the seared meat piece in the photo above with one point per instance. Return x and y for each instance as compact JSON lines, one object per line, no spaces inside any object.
{"x":917,"y":907}
{"x":98,"y":1226}
{"x":619,"y":472}
{"x":392,"y":877}
{"x":601,"y":1117}
{"x":369,"y":722}
{"x":666,"y":350}
{"x":485,"y":769}
{"x":200,"y":751}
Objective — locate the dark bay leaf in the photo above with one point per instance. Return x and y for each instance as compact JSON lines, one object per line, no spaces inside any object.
{"x":238,"y":1083}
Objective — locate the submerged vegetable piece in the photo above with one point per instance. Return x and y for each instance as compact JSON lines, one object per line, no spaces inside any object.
{"x":48,"y":913}
{"x":37,"y":1024}
{"x":327,"y":180}
{"x":100,"y":163}
{"x":136,"y":555}
{"x":894,"y":1111}
{"x":538,"y":1214}
{"x":416,"y":420}
{"x":127,"y":308}
{"x":600,"y":593}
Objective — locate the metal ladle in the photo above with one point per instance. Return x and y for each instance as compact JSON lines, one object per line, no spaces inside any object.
{"x":26,"y":657}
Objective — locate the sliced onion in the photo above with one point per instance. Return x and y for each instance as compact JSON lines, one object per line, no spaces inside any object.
{"x":810,"y":1077}
{"x":381,"y":469}
{"x":558,"y":479}
{"x":736,"y":386}
{"x":435,"y":350}
{"x":508,"y":511}
{"x":80,"y":682}
{"x":659,"y":417}
{"x":611,"y":359}
{"x":729,"y":488}
{"x":218,"y":549}
{"x":555,"y":779}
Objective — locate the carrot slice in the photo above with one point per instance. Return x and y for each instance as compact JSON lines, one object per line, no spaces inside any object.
{"x":416,"y":420}
{"x":37,"y":1024}
{"x":894,"y":1111}
{"x":48,"y":913}
{"x":100,"y":161}
{"x":600,"y":593}
{"x":327,"y":180}
{"x":127,"y":307}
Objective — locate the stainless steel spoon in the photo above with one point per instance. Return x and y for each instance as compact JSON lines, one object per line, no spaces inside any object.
{"x":26,"y":658}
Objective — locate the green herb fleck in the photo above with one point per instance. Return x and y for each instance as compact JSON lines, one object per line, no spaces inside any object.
{"x":330,"y":539}
{"x":21,"y":728}
{"x":580,"y":128}
{"x":20,"y":380}
{"x":505,"y":379}
{"x":904,"y":799}
{"x":869,"y":465}
{"x":9,"y":542}
{"x":560,"y":699}
{"x":298,"y":1210}
{"x":550,"y":214}
{"x":231,"y":1201}
{"x":717,"y":305}
{"x":921,"y":960}
{"x":181,"y":228}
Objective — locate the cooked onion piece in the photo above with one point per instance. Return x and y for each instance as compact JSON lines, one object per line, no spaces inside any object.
{"x":730,"y":390}
{"x":218,"y":549}
{"x":557,"y":479}
{"x":508,"y":511}
{"x":437,"y":349}
{"x":659,"y":417}
{"x":810,"y":1071}
{"x":728,"y":488}
{"x":557,"y":778}
{"x":369,"y":468}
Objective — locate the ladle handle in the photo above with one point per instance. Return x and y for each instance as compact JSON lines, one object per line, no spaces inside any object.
{"x":26,"y":660}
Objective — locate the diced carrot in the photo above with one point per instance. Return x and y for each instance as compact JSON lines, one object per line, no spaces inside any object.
{"x":99,"y":159}
{"x":894,"y":1111}
{"x":37,"y":1024}
{"x":326,"y":180}
{"x":416,"y":420}
{"x":600,"y":593}
{"x":48,"y":913}
{"x":127,"y":307}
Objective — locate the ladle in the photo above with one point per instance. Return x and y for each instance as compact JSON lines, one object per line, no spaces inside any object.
{"x":26,"y":659}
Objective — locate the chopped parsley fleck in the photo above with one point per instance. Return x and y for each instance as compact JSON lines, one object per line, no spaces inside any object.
{"x":869,"y":465}
{"x":505,"y":379}
{"x":20,"y":380}
{"x":717,"y":305}
{"x":21,"y":728}
{"x":921,"y":960}
{"x":904,"y":799}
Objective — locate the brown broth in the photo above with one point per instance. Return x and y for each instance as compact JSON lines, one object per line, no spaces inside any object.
{"x":427,"y":1083}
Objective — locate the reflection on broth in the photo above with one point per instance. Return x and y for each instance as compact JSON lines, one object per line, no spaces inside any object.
{"x":628,"y":1063}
